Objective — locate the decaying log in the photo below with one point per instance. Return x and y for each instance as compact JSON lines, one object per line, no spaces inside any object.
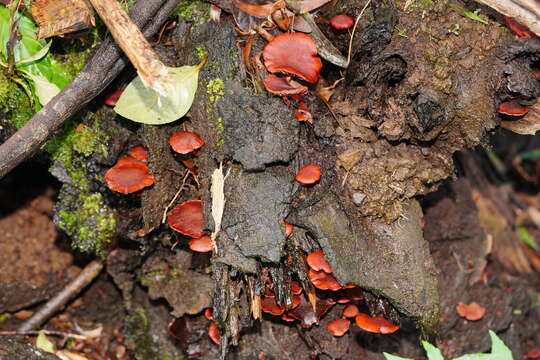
{"x":102,"y":68}
{"x":56,"y":17}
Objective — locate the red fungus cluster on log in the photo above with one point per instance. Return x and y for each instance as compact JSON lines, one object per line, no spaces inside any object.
{"x":342,"y":22}
{"x":130,"y":174}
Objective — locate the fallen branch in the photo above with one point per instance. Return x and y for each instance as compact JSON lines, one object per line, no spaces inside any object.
{"x":104,"y":66}
{"x":89,"y":273}
{"x":46,"y":332}
{"x":526,"y":12}
{"x":151,"y":70}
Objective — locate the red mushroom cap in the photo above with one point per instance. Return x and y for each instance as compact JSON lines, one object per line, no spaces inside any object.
{"x":129,"y":160}
{"x":184,"y":142}
{"x":293,"y":53}
{"x":213,"y":333}
{"x":187,"y":218}
{"x":303,"y":113}
{"x":376,"y":324}
{"x":140,"y":153}
{"x":338,"y":327}
{"x":472,"y":311}
{"x":287,"y":318}
{"x":512,"y":108}
{"x":308,"y":175}
{"x":342,"y":22}
{"x":288,"y":229}
{"x":208,"y":313}
{"x":520,"y":30}
{"x":350,"y":311}
{"x":127,"y":178}
{"x":202,"y":244}
{"x":269,"y":305}
{"x":323,"y":281}
{"x":317,"y":262}
{"x":112,"y":98}
{"x":296,"y":288}
{"x":283,"y":85}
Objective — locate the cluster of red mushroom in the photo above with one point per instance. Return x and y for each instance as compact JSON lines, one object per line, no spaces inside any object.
{"x":130,"y":174}
{"x":320,"y":275}
{"x":187,"y":218}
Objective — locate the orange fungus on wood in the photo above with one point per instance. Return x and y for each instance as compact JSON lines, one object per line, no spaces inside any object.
{"x":202,"y":244}
{"x":323,"y":281}
{"x":127,"y":178}
{"x":513,"y":108}
{"x":472,"y":311}
{"x":376,"y":324}
{"x":338,"y":327}
{"x":293,"y":53}
{"x":317,"y":262}
{"x":308,"y":175}
{"x":184,"y":142}
{"x":283,"y":85}
{"x":213,"y":333}
{"x":187,"y":218}
{"x":342,"y":22}
{"x":350,"y":311}
{"x":140,"y":153}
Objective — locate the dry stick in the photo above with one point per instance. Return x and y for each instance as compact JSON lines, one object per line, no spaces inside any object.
{"x":46,"y":332}
{"x":86,"y":276}
{"x":526,"y":12}
{"x":104,"y":66}
{"x":151,"y":70}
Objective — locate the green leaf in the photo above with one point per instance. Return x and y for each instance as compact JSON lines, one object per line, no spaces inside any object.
{"x":527,"y":238}
{"x":473,"y":15}
{"x":530,"y":155}
{"x":499,"y":351}
{"x":45,"y":90}
{"x":29,"y":47}
{"x":394,"y":357}
{"x":144,"y":105}
{"x":40,"y":54}
{"x":432,"y":352}
{"x":43,"y":343}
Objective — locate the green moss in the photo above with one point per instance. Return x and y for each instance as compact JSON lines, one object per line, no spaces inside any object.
{"x":215,"y":88}
{"x":88,"y":221}
{"x":139,"y":337}
{"x":201,"y":52}
{"x":14,"y":102}
{"x":195,"y":10}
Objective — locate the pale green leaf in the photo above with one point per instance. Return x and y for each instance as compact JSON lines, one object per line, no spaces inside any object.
{"x":142,"y":104}
{"x":527,"y":238}
{"x":38,"y":56}
{"x":43,"y":343}
{"x":394,"y":357}
{"x":432,"y":352}
{"x":499,"y":351}
{"x":45,"y":90}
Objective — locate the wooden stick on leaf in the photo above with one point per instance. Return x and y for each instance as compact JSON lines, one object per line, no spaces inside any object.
{"x":151,"y":70}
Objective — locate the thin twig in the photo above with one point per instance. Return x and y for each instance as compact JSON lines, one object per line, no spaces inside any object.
{"x":175,"y":196}
{"x":89,"y":273}
{"x":354,"y":30}
{"x":100,"y":71}
{"x":46,"y":332}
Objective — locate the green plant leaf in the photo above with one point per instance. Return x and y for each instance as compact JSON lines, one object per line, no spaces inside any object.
{"x":394,"y":357}
{"x":39,"y":55}
{"x":29,"y":47}
{"x":142,"y":104}
{"x":499,"y":351}
{"x":432,"y":352}
{"x":43,"y":343}
{"x":45,"y":90}
{"x":527,"y":238}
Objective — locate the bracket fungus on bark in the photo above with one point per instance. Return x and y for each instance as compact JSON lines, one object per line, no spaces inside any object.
{"x":184,"y":142}
{"x":317,"y":262}
{"x":512,"y":108}
{"x":293,"y":53}
{"x":338,"y":327}
{"x":140,"y":153}
{"x":128,"y":176}
{"x":283,"y":85}
{"x":375,"y":324}
{"x":308,"y":175}
{"x":187,"y":218}
{"x":342,"y":22}
{"x":202,"y":244}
